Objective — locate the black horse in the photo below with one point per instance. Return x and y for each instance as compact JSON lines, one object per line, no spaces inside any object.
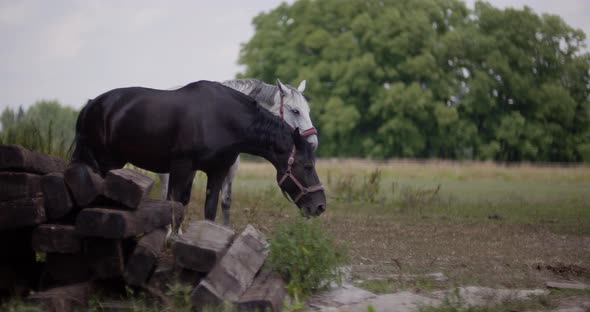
{"x":202,"y":126}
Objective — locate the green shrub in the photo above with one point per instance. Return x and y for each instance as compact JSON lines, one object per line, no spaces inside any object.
{"x":45,"y":127}
{"x":306,"y":256}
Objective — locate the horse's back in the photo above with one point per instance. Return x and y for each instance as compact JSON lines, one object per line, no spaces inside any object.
{"x":148,"y":127}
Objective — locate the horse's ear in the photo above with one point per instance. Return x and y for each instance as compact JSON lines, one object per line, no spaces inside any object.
{"x":301,"y":87}
{"x":282,"y":88}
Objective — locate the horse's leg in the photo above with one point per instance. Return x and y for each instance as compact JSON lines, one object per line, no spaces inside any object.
{"x":226,"y":191}
{"x":164,"y":178}
{"x":181,"y":178}
{"x":186,"y":193}
{"x":214,"y":181}
{"x":180,"y":182}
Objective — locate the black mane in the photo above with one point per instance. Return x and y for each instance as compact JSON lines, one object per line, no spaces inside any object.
{"x":269,"y":129}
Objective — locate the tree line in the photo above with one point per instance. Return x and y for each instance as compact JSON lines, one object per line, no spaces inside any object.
{"x":406,"y":78}
{"x":431,"y":78}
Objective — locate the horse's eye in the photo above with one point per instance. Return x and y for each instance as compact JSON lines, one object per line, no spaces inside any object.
{"x":308,"y":166}
{"x":295,"y":111}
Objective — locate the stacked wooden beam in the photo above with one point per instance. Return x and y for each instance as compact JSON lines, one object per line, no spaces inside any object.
{"x":86,"y":226}
{"x":232,"y":266}
{"x":21,"y":210}
{"x":91,"y":228}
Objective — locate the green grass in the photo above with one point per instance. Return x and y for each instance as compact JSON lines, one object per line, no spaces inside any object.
{"x":558,"y":197}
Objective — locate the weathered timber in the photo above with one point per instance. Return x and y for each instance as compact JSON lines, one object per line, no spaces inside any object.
{"x":231,"y":276}
{"x":64,"y":299}
{"x":18,"y":158}
{"x":56,"y":238}
{"x":107,"y":223}
{"x":266,"y":293}
{"x":127,"y":187}
{"x":167,"y":274}
{"x":144,"y":259}
{"x":15,"y":185}
{"x":65,"y":268}
{"x":202,"y":245}
{"x":13,"y":282}
{"x":22,"y":212}
{"x":8,"y":277}
{"x":111,"y":223}
{"x":117,"y":306}
{"x":105,"y":256}
{"x":164,"y":275}
{"x":56,"y":196}
{"x":16,"y":247}
{"x":18,"y":268}
{"x":84,"y":184}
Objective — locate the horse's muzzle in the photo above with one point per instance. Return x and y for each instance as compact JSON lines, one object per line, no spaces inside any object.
{"x":313,"y":211}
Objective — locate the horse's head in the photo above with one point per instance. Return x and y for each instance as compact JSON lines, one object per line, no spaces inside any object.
{"x":295,"y":111}
{"x":297,"y":177}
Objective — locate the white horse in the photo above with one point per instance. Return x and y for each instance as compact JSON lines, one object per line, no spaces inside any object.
{"x":282,"y":100}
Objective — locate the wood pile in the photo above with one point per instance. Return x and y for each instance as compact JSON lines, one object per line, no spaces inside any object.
{"x":66,"y":230}
{"x":231,"y":266}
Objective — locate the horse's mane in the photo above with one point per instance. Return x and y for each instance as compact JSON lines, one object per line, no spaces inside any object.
{"x":259,"y":90}
{"x":269,"y":129}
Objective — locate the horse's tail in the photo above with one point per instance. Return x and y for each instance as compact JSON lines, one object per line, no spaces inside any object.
{"x":79,"y":151}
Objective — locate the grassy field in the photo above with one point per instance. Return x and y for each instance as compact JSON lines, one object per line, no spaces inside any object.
{"x":431,"y":192}
{"x":478,"y":223}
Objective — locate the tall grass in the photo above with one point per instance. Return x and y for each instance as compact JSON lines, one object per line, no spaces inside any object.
{"x":30,"y":135}
{"x":553,"y":195}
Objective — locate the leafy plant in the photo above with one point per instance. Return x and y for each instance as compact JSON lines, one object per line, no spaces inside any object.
{"x":305,"y":255}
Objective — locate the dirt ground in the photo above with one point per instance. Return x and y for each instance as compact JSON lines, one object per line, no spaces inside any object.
{"x":486,"y":254}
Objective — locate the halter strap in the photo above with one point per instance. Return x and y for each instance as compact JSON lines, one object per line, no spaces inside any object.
{"x":288,"y":174}
{"x":304,"y":133}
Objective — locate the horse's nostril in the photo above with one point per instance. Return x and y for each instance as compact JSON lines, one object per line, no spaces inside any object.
{"x":321,"y":208}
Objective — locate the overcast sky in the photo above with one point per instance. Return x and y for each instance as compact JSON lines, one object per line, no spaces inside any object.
{"x":74,"y":50}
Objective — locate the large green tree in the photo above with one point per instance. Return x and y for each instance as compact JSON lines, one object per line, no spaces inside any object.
{"x":430,"y":78}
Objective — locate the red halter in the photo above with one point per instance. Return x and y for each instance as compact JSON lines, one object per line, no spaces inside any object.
{"x":303,"y":190}
{"x":304,"y":133}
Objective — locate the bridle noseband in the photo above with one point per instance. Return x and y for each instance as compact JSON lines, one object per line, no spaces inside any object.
{"x":288,"y":174}
{"x":304,"y":133}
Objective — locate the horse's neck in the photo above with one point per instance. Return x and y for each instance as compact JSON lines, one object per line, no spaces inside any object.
{"x":262,"y":92}
{"x":265,"y":136}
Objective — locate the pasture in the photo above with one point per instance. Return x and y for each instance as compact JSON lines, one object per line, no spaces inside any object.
{"x":477,"y":223}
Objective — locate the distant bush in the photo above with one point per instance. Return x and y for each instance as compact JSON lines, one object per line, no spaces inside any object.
{"x":306,"y":256}
{"x":46,"y":127}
